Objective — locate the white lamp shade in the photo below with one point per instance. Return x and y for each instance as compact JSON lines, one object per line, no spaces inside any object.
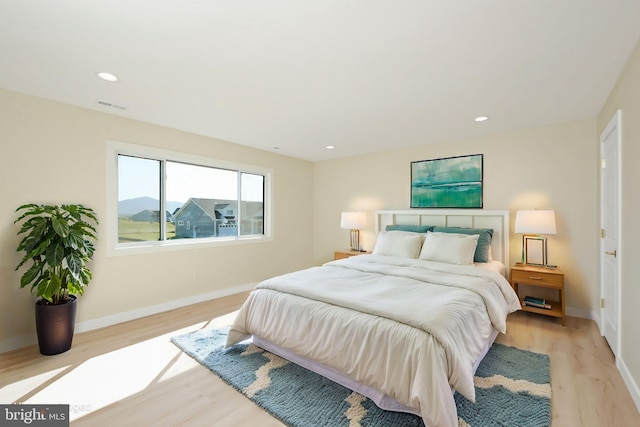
{"x":536,"y":222}
{"x":353,"y":220}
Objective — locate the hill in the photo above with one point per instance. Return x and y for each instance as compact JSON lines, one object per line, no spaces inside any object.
{"x":133,"y":206}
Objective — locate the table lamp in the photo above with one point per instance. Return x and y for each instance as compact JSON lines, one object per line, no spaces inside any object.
{"x":536,"y":223}
{"x":354,"y":221}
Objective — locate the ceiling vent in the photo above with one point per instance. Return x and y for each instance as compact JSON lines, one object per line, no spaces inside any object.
{"x":111,"y":105}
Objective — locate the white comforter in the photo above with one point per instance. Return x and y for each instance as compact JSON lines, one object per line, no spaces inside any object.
{"x":410,"y":328}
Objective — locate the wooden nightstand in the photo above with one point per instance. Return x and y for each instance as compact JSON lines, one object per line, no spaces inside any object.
{"x":347,"y":253}
{"x":543,"y":278}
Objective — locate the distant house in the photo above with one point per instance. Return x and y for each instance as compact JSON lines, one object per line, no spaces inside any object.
{"x":148,"y":215}
{"x":207,"y":218}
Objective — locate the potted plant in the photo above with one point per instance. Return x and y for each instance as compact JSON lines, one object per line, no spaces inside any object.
{"x":57,"y":245}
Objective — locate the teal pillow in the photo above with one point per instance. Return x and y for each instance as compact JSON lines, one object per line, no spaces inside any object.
{"x":484,"y":241}
{"x":411,"y":228}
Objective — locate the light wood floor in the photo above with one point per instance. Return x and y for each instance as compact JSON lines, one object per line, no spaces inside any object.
{"x":131,"y":375}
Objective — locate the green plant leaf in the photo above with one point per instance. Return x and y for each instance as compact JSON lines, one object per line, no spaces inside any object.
{"x":74,"y":239}
{"x":86,"y":229}
{"x":31,"y":275}
{"x":36,"y":253}
{"x":40,"y":226}
{"x":30,"y":209}
{"x":85,"y":276}
{"x":36,"y":284}
{"x":74,"y":262}
{"x":89,"y":248}
{"x":76,"y":287}
{"x":55,"y":255}
{"x":28,"y":244}
{"x":60,"y":226}
{"x":47,"y":289}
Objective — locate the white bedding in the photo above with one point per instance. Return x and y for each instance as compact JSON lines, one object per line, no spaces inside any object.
{"x":410,"y":328}
{"x":495,"y":266}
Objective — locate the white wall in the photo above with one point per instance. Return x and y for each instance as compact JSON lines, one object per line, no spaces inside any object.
{"x":55,"y":153}
{"x":626,"y":97}
{"x":554,"y":167}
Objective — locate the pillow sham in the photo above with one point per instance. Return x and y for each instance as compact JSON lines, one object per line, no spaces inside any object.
{"x":451,"y":248}
{"x":485,"y":235}
{"x":398,"y":243}
{"x":411,"y":228}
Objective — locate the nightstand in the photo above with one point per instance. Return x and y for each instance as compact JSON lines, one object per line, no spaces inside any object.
{"x":543,"y":278}
{"x":347,"y":253}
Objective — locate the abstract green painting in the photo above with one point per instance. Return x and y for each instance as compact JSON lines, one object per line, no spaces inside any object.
{"x":452,"y":182}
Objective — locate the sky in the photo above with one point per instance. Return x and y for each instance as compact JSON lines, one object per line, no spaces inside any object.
{"x":139,"y":177}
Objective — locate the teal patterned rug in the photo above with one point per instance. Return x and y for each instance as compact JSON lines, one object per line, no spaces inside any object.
{"x":512,"y":387}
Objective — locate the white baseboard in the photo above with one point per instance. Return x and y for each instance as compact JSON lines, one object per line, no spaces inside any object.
{"x":632,"y":386}
{"x":89,"y":325}
{"x":101,"y":322}
{"x":583,"y":313}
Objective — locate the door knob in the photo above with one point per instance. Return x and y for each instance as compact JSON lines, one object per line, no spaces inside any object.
{"x":614,"y":253}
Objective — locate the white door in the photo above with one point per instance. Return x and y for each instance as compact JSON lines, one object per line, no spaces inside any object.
{"x":610,"y":235}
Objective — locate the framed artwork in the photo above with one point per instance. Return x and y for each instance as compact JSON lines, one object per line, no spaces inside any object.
{"x":534,"y":250}
{"x":451,"y":182}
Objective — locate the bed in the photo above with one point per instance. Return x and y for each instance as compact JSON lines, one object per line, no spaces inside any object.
{"x":406,"y":325}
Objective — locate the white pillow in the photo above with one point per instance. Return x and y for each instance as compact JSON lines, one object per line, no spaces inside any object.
{"x":398,"y":243}
{"x":451,"y":248}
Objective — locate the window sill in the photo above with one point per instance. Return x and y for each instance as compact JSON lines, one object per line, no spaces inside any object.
{"x":139,"y":248}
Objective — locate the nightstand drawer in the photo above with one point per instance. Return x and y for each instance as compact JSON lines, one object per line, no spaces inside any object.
{"x":537,"y":277}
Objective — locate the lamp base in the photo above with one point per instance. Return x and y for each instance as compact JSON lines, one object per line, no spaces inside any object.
{"x":354,"y":240}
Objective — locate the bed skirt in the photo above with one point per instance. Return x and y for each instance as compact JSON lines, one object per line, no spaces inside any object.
{"x":378,"y":397}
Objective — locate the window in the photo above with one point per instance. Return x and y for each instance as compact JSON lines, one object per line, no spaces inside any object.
{"x":166,"y":199}
{"x":252,"y":206}
{"x":138,"y":199}
{"x":201,"y":196}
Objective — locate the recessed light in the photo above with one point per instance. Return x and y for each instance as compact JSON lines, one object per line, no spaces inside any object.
{"x":108,"y":77}
{"x":481,"y":118}
{"x":330,"y":147}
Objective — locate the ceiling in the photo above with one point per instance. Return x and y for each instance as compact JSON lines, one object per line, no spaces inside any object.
{"x":361,"y":75}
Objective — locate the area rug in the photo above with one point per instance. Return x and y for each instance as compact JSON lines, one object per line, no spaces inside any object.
{"x":512,"y":387}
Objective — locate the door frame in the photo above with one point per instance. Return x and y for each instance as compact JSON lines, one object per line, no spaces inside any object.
{"x":614,"y":124}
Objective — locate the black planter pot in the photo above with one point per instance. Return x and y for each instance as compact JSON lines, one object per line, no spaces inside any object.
{"x":55,"y":325}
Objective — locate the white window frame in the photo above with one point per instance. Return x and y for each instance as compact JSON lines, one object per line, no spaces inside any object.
{"x":114,"y":248}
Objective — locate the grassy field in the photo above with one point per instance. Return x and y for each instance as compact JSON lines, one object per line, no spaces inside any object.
{"x":137,"y":231}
